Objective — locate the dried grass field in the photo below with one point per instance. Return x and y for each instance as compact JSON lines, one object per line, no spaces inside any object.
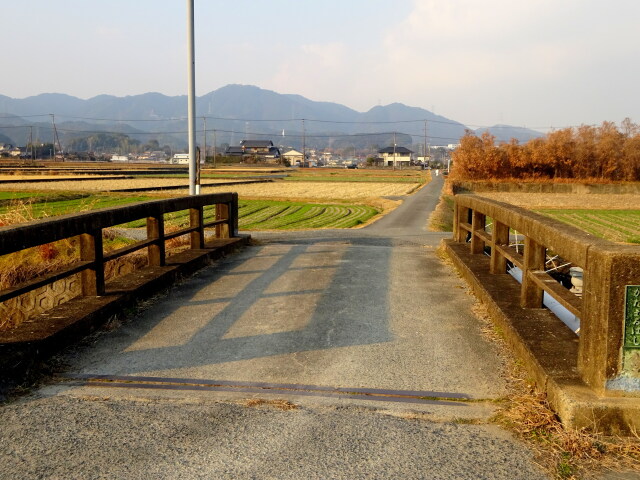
{"x":100,"y":185}
{"x":567,"y":200}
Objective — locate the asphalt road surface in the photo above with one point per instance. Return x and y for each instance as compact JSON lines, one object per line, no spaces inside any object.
{"x":319,"y":354}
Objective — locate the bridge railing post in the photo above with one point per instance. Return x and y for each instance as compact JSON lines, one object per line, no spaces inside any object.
{"x":196,"y":219}
{"x":91,"y":250}
{"x":478,"y":223}
{"x":155,"y":231}
{"x":609,"y":348}
{"x":499,"y":237}
{"x":233,"y":215}
{"x":222,"y":213}
{"x":535,"y":256}
{"x":460,"y":216}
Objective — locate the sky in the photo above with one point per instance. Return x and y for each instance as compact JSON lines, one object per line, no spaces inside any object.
{"x":532,"y":63}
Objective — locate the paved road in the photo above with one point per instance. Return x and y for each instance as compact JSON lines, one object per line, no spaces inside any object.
{"x":332,"y":354}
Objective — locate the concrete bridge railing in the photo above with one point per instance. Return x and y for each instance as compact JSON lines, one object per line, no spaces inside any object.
{"x":608,"y":350}
{"x":88,"y":227}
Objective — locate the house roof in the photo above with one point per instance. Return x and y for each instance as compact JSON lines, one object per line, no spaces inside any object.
{"x":293,"y":153}
{"x":399,"y":150}
{"x":256,"y":143}
{"x":234,"y":151}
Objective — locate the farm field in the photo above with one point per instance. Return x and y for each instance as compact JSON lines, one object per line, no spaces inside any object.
{"x":320,"y":198}
{"x":100,"y":185}
{"x":566,"y":200}
{"x":34,"y":205}
{"x":613,"y":217}
{"x":320,"y":191}
{"x":253,"y":214}
{"x":358,"y":175}
{"x":281,"y":215}
{"x":614,"y":225}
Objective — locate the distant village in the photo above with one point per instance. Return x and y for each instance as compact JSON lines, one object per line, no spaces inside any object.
{"x":260,"y":151}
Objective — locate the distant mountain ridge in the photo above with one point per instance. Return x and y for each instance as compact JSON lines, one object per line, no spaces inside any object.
{"x":234,"y":111}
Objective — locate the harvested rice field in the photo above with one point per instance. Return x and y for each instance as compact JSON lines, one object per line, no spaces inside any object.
{"x":566,"y":200}
{"x":319,"y":190}
{"x":40,"y":178}
{"x":99,"y":185}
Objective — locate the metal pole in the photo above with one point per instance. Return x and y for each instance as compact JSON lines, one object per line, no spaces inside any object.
{"x":214,"y":148}
{"x":204,"y":119}
{"x":304,"y":144}
{"x":424,"y":151}
{"x":191,"y":99}
{"x":394,"y":150}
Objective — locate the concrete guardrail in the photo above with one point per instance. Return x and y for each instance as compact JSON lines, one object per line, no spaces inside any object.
{"x":605,"y":356}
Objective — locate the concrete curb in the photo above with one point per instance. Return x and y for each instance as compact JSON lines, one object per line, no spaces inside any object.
{"x":547,"y":348}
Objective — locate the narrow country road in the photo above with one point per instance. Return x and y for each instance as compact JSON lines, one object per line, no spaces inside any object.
{"x":340,"y":354}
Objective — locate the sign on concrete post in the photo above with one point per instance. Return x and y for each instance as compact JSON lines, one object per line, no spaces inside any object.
{"x":632,"y":317}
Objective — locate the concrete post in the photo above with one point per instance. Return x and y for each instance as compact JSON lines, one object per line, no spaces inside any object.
{"x":534,"y":258}
{"x":609,"y":349}
{"x":499,"y":236}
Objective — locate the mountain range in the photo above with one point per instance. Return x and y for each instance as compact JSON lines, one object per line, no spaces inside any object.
{"x":234,"y":112}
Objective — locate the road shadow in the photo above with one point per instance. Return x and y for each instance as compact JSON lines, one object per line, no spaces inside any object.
{"x":269,"y":300}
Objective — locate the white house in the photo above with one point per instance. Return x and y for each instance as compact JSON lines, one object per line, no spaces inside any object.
{"x":395,"y":156}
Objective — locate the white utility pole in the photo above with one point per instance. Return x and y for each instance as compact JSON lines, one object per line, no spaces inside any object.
{"x":193,"y":189}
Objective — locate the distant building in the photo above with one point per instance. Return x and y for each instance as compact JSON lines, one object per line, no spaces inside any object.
{"x":263,"y":149}
{"x":180,"y":158}
{"x":293,"y":156}
{"x":398,"y":156}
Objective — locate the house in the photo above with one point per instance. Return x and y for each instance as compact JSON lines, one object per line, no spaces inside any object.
{"x":293,"y":156}
{"x":16,"y":152}
{"x":254,"y":148}
{"x":5,"y":149}
{"x":260,"y":147}
{"x":234,"y":151}
{"x":395,"y":156}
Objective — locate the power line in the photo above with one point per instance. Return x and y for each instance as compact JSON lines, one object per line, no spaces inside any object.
{"x":282,"y":120}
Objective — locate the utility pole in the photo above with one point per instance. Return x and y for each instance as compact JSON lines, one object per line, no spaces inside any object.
{"x":32,"y":153}
{"x":56,"y":139}
{"x":425,"y":144}
{"x":191,"y":80}
{"x":394,"y":150}
{"x":304,"y":145}
{"x":204,"y":120}
{"x":214,"y":148}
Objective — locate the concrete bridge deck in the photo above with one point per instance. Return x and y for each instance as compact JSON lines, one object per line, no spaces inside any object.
{"x":366,"y":333}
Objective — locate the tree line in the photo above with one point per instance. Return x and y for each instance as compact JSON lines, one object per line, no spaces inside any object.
{"x":604,"y":152}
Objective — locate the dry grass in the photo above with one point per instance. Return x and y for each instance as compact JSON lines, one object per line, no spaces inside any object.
{"x":53,"y":177}
{"x":319,"y":190}
{"x":441,"y":220}
{"x":107,"y":185}
{"x":566,"y":200}
{"x":279,"y":403}
{"x":565,"y":453}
